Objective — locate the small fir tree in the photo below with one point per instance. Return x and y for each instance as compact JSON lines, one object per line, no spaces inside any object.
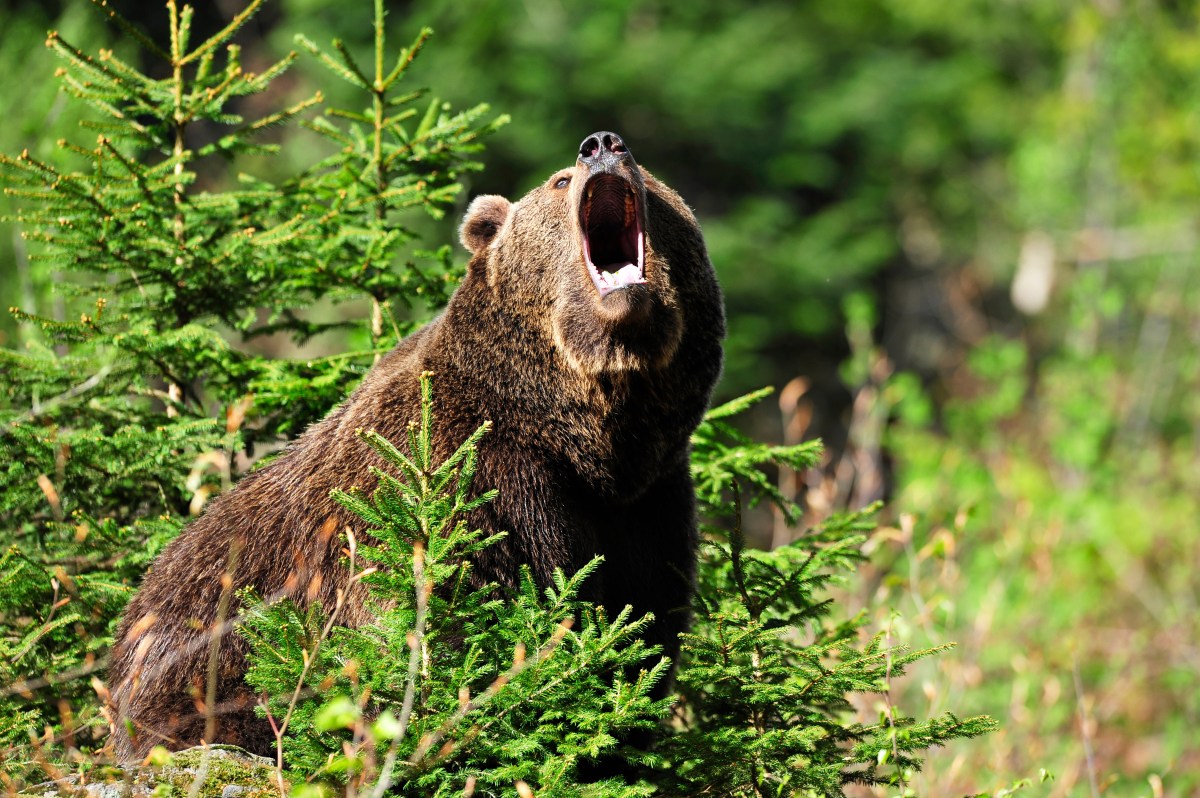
{"x":767,"y":668}
{"x":116,"y":426}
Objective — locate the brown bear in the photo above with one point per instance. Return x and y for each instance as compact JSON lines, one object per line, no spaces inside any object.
{"x":588,"y":330}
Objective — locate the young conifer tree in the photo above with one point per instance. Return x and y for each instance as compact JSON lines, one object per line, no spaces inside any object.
{"x":117,"y":422}
{"x":768,"y":667}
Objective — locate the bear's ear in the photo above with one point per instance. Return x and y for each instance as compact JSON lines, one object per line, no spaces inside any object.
{"x":484,"y":218}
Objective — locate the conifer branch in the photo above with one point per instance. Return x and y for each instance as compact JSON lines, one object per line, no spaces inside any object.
{"x":218,"y":38}
{"x":131,"y":30}
{"x":520,"y":664}
{"x":47,"y":405}
{"x":407,"y":56}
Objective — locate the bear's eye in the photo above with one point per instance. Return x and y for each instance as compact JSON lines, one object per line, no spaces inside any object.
{"x":562,"y":182}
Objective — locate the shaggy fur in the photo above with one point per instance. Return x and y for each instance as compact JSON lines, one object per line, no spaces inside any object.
{"x":592,"y":401}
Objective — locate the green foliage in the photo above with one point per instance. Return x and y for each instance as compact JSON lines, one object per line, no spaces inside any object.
{"x":724,"y":459}
{"x":118,"y":423}
{"x":431,"y":696}
{"x":1039,"y":522}
{"x":35,"y":116}
{"x":767,"y":668}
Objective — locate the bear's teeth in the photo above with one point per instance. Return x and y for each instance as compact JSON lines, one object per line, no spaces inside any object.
{"x":627,"y":274}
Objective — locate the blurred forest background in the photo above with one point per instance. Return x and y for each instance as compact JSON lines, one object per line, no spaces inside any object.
{"x":960,"y":239}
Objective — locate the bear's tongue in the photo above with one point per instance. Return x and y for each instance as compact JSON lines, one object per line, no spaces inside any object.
{"x":614,"y":237}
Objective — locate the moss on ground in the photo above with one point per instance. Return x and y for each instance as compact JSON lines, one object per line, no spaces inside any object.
{"x":224,"y":771}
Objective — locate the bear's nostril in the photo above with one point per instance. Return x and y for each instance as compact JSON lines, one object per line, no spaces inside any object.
{"x":613,"y":143}
{"x":589,"y":148}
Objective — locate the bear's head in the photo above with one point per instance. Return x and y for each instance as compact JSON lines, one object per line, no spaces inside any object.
{"x":602,"y":257}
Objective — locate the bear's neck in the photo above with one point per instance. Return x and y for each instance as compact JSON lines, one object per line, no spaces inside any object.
{"x":613,"y":427}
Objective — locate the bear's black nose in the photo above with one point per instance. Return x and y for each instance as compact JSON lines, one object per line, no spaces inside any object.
{"x":603,"y":149}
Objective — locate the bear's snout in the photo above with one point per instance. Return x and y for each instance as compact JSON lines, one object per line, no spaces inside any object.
{"x":604,"y":152}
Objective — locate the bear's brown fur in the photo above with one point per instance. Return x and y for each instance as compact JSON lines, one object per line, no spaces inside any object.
{"x":593,"y":393}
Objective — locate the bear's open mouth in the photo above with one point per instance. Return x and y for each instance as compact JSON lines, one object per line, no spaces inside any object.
{"x":613,"y":239}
